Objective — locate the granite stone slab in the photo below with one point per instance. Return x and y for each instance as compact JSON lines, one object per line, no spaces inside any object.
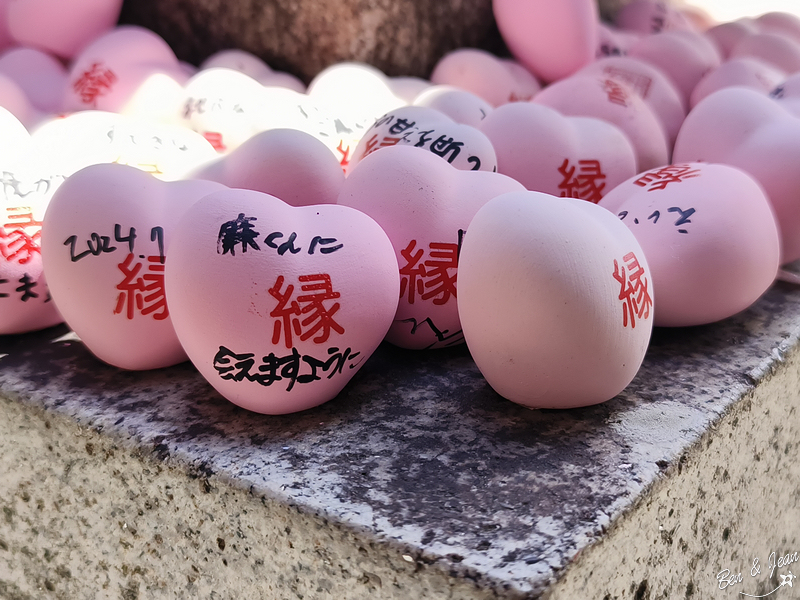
{"x":418,"y":453}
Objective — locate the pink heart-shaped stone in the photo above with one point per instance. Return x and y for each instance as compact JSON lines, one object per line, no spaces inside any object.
{"x":289,"y":164}
{"x":650,"y":16}
{"x":576,"y":157}
{"x":252,"y":66}
{"x":14,"y":99}
{"x":775,"y":49}
{"x":40,"y":76}
{"x":742,"y":72}
{"x":301,"y":297}
{"x":408,"y":88}
{"x":459,"y":105}
{"x":787,"y":94}
{"x":424,"y":205}
{"x":462,"y":146}
{"x":485,"y":75}
{"x":650,"y":84}
{"x":552,"y":39}
{"x":746,"y":129}
{"x":684,"y":56}
{"x":613,"y":41}
{"x":63,"y":28}
{"x":709,"y":235}
{"x":63,"y":146}
{"x":105,"y":242}
{"x":613,"y":101}
{"x":108,"y":72}
{"x":25,"y":303}
{"x":555,"y":298}
{"x":785,"y":23}
{"x":726,"y":35}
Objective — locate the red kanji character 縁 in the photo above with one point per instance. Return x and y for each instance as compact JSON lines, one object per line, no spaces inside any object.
{"x":94,"y":82}
{"x":285,"y":313}
{"x":145,"y":294}
{"x":616,"y":92}
{"x":412,"y":273}
{"x":660,"y":178}
{"x":20,"y":235}
{"x":634,"y":291}
{"x":308,"y":316}
{"x":440,"y":283}
{"x":318,"y":319}
{"x":587,"y":184}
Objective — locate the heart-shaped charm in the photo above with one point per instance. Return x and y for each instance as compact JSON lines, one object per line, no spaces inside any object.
{"x":726,"y":35}
{"x":289,"y":164}
{"x":482,"y":73}
{"x":787,"y":93}
{"x":253,"y":66}
{"x":555,"y":298}
{"x":775,"y":49}
{"x":107,"y":74}
{"x":63,"y":146}
{"x":462,"y":146}
{"x":14,"y":100}
{"x":40,"y":76}
{"x":105,"y":243}
{"x":613,"y":41}
{"x":650,"y":84}
{"x":746,"y":72}
{"x":62,"y":28}
{"x":613,"y":101}
{"x":784,"y":23}
{"x":709,"y":235}
{"x":575,"y":157}
{"x":460,"y":105}
{"x":25,"y":303}
{"x":650,"y":16}
{"x":552,"y":39}
{"x":684,"y":56}
{"x":424,"y":205}
{"x":350,"y":97}
{"x":746,"y":129}
{"x":300,"y":299}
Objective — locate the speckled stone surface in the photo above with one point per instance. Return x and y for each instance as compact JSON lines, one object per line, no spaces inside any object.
{"x":418,"y":455}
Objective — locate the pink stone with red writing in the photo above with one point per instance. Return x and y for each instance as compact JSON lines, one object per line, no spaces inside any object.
{"x":277,"y":306}
{"x":109,"y":72}
{"x":650,"y":84}
{"x":551,"y":39}
{"x":609,"y":99}
{"x":746,"y":129}
{"x":556,"y":300}
{"x":105,"y":241}
{"x":63,"y":28}
{"x":424,"y":205}
{"x":576,"y":157}
{"x":709,"y":235}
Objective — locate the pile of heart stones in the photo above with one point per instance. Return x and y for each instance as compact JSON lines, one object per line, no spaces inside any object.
{"x":546,"y":210}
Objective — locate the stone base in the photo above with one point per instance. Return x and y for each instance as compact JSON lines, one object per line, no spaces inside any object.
{"x":418,"y":481}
